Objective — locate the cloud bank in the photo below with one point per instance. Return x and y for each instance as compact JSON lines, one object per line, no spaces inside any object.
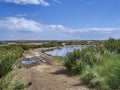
{"x":25,"y":2}
{"x":18,"y":24}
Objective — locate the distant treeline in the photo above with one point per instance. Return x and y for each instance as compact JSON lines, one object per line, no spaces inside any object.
{"x":68,"y":42}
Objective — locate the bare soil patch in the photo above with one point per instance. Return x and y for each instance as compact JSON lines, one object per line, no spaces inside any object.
{"x":49,"y":75}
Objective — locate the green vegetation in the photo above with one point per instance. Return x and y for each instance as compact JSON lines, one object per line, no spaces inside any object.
{"x":9,"y":82}
{"x":8,"y":56}
{"x":60,"y":58}
{"x":112,"y":45}
{"x":98,"y":66}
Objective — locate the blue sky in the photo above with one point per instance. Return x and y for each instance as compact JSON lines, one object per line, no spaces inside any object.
{"x":59,"y":19}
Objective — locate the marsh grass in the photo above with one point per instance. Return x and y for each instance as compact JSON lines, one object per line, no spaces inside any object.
{"x":98,"y":66}
{"x":9,"y":82}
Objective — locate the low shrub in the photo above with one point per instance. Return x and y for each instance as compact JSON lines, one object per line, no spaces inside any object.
{"x":98,"y":66}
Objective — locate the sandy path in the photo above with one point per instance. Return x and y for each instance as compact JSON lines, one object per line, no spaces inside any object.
{"x":53,"y":76}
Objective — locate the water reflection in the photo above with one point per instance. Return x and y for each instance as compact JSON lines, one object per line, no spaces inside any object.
{"x":63,"y":51}
{"x":28,"y":62}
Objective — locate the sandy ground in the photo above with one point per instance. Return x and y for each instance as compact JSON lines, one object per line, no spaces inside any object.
{"x":49,"y":75}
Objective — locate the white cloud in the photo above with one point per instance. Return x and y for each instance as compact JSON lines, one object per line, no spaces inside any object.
{"x":22,"y":24}
{"x":19,"y":24}
{"x":12,"y":26}
{"x":56,"y":27}
{"x":25,"y":2}
{"x":96,"y":30}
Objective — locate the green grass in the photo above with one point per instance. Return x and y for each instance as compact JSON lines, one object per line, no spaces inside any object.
{"x":60,"y":58}
{"x":8,"y":57}
{"x":104,"y":76}
{"x":9,"y":82}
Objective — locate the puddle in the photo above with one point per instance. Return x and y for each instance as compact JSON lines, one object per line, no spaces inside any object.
{"x":63,"y":51}
{"x":28,"y":62}
{"x":43,"y":60}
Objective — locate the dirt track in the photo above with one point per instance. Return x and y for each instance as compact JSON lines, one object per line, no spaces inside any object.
{"x":48,"y":76}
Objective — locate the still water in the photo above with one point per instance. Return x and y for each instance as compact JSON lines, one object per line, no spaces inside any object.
{"x":63,"y":51}
{"x":28,"y":62}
